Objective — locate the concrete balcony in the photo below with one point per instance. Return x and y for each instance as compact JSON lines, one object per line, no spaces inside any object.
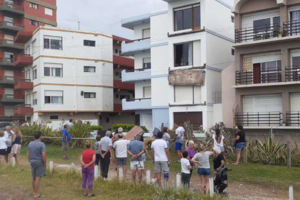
{"x":22,"y":60}
{"x":11,"y":27}
{"x":170,"y":1}
{"x":118,"y":84}
{"x":23,"y":36}
{"x":6,"y":62}
{"x":123,"y":61}
{"x":9,"y":45}
{"x":137,"y":104}
{"x":10,"y":99}
{"x":16,"y":10}
{"x":23,"y":84}
{"x":129,"y":48}
{"x":136,"y":75}
{"x":23,"y":109}
{"x":7,"y":80}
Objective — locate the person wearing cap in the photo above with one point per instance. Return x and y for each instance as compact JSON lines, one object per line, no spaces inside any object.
{"x":219,"y":160}
{"x":120,"y":148}
{"x":105,"y":146}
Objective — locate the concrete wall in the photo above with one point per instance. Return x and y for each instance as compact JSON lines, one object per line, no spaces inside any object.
{"x":139,"y":59}
{"x":159,"y":116}
{"x":138,"y":30}
{"x":217,"y":113}
{"x":139,"y":86}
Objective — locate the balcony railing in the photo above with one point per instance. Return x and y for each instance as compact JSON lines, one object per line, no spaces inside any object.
{"x":291,"y":28}
{"x":137,"y":40}
{"x":292,"y":73}
{"x":259,"y":119}
{"x":23,"y":109}
{"x":293,"y":118}
{"x":22,"y":60}
{"x":11,"y":24}
{"x":8,"y":79}
{"x":11,"y":7}
{"x":136,"y":104}
{"x":250,"y":77}
{"x":133,"y":46}
{"x":257,"y":33}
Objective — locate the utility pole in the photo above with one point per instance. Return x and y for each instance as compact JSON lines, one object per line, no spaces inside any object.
{"x":78,"y":25}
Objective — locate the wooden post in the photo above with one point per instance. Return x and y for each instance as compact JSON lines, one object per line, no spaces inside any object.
{"x":178,"y":182}
{"x":245,"y":154}
{"x":289,"y":159}
{"x":121,"y":174}
{"x":272,"y":135}
{"x":211,"y":187}
{"x":13,"y":161}
{"x":96,"y":172}
{"x":148,"y":177}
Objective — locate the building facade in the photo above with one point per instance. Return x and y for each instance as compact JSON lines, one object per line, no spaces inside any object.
{"x":262,"y":86}
{"x":73,"y":77}
{"x":19,"y":18}
{"x":179,"y":55}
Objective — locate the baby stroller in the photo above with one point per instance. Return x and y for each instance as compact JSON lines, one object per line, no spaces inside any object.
{"x":220,"y":180}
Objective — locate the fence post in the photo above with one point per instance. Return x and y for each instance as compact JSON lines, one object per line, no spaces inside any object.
{"x":291,"y":193}
{"x":246,"y":154}
{"x":272,"y":135}
{"x":121,"y":175}
{"x":289,"y":160}
{"x":148,"y":176}
{"x":178,"y":182}
{"x":73,"y":167}
{"x":211,"y":187}
{"x":13,"y":161}
{"x":96,"y":172}
{"x":51,"y":166}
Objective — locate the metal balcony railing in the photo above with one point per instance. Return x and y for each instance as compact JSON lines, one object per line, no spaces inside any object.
{"x":293,"y":118}
{"x":291,"y":28}
{"x":292,"y":73}
{"x":266,"y":76}
{"x":259,"y":119}
{"x":257,"y":33}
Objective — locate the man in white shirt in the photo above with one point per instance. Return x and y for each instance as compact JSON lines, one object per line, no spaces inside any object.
{"x":160,"y":157}
{"x":8,"y":134}
{"x":179,"y":139}
{"x":120,"y":148}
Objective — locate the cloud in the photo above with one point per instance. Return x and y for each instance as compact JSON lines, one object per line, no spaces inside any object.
{"x":105,"y":15}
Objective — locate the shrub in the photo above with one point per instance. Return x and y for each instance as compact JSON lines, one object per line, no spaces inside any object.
{"x":127,"y":127}
{"x":80,"y":131}
{"x":97,"y":128}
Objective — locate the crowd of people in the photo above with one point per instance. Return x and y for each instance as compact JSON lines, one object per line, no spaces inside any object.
{"x":113,"y":148}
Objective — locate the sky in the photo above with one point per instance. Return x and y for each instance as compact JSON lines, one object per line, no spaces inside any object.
{"x":105,"y":15}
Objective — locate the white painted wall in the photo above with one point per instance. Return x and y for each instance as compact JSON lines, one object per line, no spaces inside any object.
{"x":217,"y":113}
{"x":139,"y":59}
{"x":139,"y":88}
{"x":213,"y":82}
{"x":138,"y":30}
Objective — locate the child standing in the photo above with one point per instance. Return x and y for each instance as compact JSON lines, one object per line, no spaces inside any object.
{"x":96,"y":148}
{"x":3,"y":146}
{"x":16,"y":144}
{"x":185,"y":170}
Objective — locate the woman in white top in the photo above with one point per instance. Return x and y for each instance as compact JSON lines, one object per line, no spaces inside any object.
{"x":202,"y":159}
{"x":219,"y":141}
{"x":3,"y":146}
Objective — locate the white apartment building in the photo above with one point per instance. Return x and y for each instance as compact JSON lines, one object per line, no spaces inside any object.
{"x":72,"y":74}
{"x":179,"y":56}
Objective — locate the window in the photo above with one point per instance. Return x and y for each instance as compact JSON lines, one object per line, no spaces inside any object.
{"x":147,"y":92}
{"x":34,"y":48}
{"x":146,"y":33}
{"x":48,"y":11}
{"x":147,"y":63}
{"x":28,"y":74}
{"x":9,"y":57}
{"x":89,"y":43}
{"x":9,"y":21}
{"x":184,"y":54}
{"x":187,"y":17}
{"x":232,"y":52}
{"x":53,"y":69}
{"x":90,"y":95}
{"x":27,"y":50}
{"x":261,"y":25}
{"x":89,"y":69}
{"x":232,"y":19}
{"x":52,"y":42}
{"x":34,"y":73}
{"x":53,"y":97}
{"x":34,"y":23}
{"x":187,"y":94}
{"x":107,"y":119}
{"x":33,"y":5}
{"x":54,"y":117}
{"x":34,"y":101}
{"x":124,"y":97}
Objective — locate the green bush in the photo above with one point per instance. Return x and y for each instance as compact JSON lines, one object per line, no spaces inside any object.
{"x":127,"y":127}
{"x":80,"y":131}
{"x":97,"y":128}
{"x":30,"y":129}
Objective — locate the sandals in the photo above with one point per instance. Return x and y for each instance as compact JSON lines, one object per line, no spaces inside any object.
{"x":91,"y":195}
{"x":40,"y":196}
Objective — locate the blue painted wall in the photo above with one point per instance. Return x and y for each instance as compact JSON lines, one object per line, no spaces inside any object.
{"x":159,"y":116}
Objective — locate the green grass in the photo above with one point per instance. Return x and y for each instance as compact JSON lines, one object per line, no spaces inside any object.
{"x":67,"y":185}
{"x":280,"y":177}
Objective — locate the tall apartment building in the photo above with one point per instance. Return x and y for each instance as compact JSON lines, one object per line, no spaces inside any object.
{"x":262,"y":87}
{"x":179,"y":55}
{"x":73,"y":77}
{"x":19,"y":18}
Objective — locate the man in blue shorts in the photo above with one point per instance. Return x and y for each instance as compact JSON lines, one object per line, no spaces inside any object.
{"x":179,"y":139}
